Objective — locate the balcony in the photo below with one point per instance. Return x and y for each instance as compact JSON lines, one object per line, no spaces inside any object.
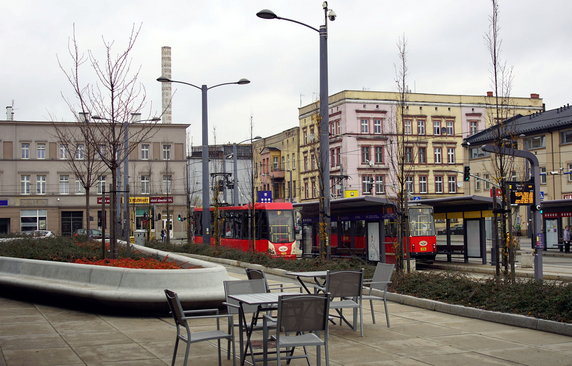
{"x":277,"y":174}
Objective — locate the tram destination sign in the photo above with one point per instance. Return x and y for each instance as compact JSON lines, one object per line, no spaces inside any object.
{"x":521,"y":193}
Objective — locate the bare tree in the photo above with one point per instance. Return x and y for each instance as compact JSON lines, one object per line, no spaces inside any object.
{"x":501,"y":80}
{"x":112,"y":100}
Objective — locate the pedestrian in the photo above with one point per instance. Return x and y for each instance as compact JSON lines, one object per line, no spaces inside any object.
{"x":163,"y":235}
{"x":566,"y":239}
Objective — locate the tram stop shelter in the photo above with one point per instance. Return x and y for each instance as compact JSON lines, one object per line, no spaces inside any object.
{"x":472,"y":211}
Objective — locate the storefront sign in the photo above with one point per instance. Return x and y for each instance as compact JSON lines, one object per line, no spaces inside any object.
{"x":138,"y":200}
{"x":107,"y":200}
{"x":161,"y":200}
{"x":3,"y":202}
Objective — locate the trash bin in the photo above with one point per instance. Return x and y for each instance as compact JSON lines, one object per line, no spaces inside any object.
{"x":140,"y":237}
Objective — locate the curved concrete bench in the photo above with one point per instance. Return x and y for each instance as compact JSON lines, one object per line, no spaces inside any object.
{"x":113,"y":288}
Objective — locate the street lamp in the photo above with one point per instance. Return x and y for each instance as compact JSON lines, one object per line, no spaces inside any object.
{"x":324,"y":119}
{"x":206,"y":219}
{"x":235,"y":167}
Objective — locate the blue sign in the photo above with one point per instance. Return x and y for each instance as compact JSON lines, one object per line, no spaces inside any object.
{"x":264,"y":196}
{"x":416,"y":198}
{"x":3,"y":202}
{"x":541,"y":195}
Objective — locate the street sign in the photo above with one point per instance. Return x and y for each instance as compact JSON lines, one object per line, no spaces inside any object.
{"x":498,"y":192}
{"x":542,"y":195}
{"x":416,"y":198}
{"x":3,"y":202}
{"x":521,"y":193}
{"x":265,"y":196}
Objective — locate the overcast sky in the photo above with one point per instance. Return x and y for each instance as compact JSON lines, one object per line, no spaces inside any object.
{"x":216,"y":41}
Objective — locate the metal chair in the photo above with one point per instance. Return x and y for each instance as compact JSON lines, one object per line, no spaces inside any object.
{"x":184,"y":333}
{"x":380,"y":281}
{"x":233,"y":308}
{"x":256,"y":274}
{"x":302,"y":321}
{"x":347,"y":286}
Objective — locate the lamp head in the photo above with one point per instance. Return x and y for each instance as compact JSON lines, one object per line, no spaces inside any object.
{"x":256,"y":138}
{"x":163,"y":79}
{"x":243,"y":81}
{"x":266,"y":14}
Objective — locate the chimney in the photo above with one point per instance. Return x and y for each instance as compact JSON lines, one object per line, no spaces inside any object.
{"x":9,"y":113}
{"x":534,"y":96}
{"x":166,"y":87}
{"x":489,"y":94}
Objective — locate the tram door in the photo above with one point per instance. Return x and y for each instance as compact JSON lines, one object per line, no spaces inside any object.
{"x":551,"y":233}
{"x":373,"y":241}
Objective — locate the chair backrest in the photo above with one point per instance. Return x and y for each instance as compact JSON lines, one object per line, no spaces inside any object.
{"x":383,"y":272}
{"x":176,"y":307}
{"x":243,"y":287}
{"x":344,"y":283}
{"x":303,"y":313}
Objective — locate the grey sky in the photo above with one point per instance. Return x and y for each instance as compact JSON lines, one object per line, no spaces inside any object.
{"x":218,"y":41}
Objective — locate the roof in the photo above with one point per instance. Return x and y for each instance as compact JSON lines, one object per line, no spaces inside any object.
{"x":458,"y":204}
{"x":554,"y":119}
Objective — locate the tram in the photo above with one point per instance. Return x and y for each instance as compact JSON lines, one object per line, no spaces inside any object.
{"x":274,"y":226}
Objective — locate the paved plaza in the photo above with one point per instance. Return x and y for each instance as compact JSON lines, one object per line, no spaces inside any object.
{"x":33,"y":334}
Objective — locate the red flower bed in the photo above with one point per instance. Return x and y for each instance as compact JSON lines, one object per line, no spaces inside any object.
{"x":144,"y":263}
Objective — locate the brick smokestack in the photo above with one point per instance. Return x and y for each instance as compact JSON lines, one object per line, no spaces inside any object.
{"x":166,"y":87}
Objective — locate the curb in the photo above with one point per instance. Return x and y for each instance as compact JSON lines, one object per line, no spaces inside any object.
{"x":516,"y":320}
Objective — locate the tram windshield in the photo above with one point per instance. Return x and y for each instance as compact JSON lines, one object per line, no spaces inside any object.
{"x":421,"y":221}
{"x":281,"y":223}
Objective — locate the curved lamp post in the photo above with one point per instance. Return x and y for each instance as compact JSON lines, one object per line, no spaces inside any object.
{"x":206,"y":219}
{"x":324,"y":119}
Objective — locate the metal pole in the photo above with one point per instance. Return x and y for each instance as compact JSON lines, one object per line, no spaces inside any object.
{"x":324,"y":140}
{"x":205,"y":160}
{"x":290,"y":188}
{"x":126,"y":219}
{"x":235,"y":172}
{"x":224,"y":175}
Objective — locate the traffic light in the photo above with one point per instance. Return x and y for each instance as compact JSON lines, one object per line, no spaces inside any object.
{"x":467,"y":174}
{"x":180,"y":218}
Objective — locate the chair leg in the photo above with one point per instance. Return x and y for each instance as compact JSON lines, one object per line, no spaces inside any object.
{"x":386,"y":312}
{"x":175,"y":351}
{"x":318,"y":356}
{"x":187,"y":349}
{"x":219,"y":355}
{"x":372,"y":312}
{"x":361,"y":319}
{"x":326,"y":354}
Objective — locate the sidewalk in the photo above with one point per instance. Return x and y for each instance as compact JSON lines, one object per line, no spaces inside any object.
{"x":38,"y":335}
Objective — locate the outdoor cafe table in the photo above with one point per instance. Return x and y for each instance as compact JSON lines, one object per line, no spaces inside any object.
{"x":260,"y":299}
{"x":319,"y":278}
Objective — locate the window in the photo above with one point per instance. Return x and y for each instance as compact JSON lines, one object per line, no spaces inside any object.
{"x":422,"y":155}
{"x":313,"y":161}
{"x":25,"y":150}
{"x":451,"y":155}
{"x":377,"y":126}
{"x":438,"y":158}
{"x":410,"y":184}
{"x":144,"y":151}
{"x":332,"y":157}
{"x":379,"y":184}
{"x":63,"y":152}
{"x":477,"y":152}
{"x":102,"y":150}
{"x":423,"y":184}
{"x":569,"y":171}
{"x":436,"y":127}
{"x":64,"y":184}
{"x":293,"y":161}
{"x":487,"y":180}
{"x":314,"y":191}
{"x":364,"y":126}
{"x":421,"y":127}
{"x":40,"y":184}
{"x":477,"y":182}
{"x":25,"y":187}
{"x":379,"y":154}
{"x":275,"y":165}
{"x":407,"y":129}
{"x":438,"y":184}
{"x":542,"y":175}
{"x":306,"y":189}
{"x":79,"y":188}
{"x":452,"y":183}
{"x":367,"y":184}
{"x":167,"y":183}
{"x":365,"y":158}
{"x":41,"y":151}
{"x":535,"y":142}
{"x":31,"y":220}
{"x":145,"y":184}
{"x":450,"y":127}
{"x":100,"y":184}
{"x":473,"y":127}
{"x":166,"y":152}
{"x":305,"y":136}
{"x":80,"y":152}
{"x":408,"y":154}
{"x":566,"y":137}
{"x":305,"y":162}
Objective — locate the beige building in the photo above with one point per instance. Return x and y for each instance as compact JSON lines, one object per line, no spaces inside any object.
{"x":39,"y":190}
{"x":368,"y":133}
{"x":276,"y":161}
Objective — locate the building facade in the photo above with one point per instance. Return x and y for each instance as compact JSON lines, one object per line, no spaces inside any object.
{"x":369,"y":131}
{"x":40,"y":191}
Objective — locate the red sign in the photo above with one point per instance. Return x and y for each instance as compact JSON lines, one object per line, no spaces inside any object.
{"x":161,"y":200}
{"x":498,"y":191}
{"x":107,"y":200}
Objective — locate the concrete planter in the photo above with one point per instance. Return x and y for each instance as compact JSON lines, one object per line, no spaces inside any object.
{"x":112,"y":288}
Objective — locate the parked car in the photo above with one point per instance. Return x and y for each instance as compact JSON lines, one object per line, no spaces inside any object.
{"x":457,"y":229}
{"x":37,"y":234}
{"x":91,"y":233}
